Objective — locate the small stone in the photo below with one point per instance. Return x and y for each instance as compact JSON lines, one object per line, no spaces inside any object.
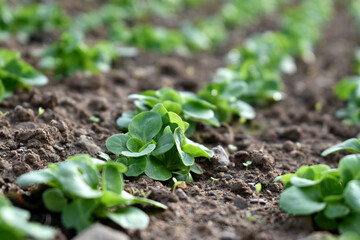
{"x":220,"y":156}
{"x":211,"y":194}
{"x":88,"y":145}
{"x":228,"y":177}
{"x":240,"y":202}
{"x":58,"y":148}
{"x":181,"y":194}
{"x":288,"y":146}
{"x":100,"y":232}
{"x":228,"y":236}
{"x":257,"y":200}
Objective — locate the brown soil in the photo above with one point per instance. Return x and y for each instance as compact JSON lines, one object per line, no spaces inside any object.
{"x":282,"y":138}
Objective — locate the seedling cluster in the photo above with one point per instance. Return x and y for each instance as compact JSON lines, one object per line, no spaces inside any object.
{"x":15,"y":73}
{"x":77,"y":191}
{"x":330,"y":195}
{"x":157,"y":146}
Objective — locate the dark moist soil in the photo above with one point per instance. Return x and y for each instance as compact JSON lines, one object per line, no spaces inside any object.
{"x":283,"y":137}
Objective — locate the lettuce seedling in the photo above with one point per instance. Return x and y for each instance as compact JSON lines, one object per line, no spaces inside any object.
{"x":71,"y":55}
{"x":32,"y":19}
{"x":348,"y":89}
{"x":185,"y":104}
{"x":351,"y":145}
{"x":330,"y":195}
{"x":15,"y":225}
{"x":82,"y":197}
{"x":230,"y":96}
{"x":156,"y":145}
{"x":269,"y":50}
{"x":15,"y":73}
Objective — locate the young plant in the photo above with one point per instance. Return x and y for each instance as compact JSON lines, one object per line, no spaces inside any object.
{"x":258,"y":188}
{"x":247,"y":164}
{"x":75,"y":192}
{"x":348,"y":90}
{"x":176,"y":184}
{"x":15,"y":73}
{"x":226,"y":96}
{"x":185,"y":104}
{"x":351,"y":145}
{"x":156,"y":145}
{"x":31,"y":20}
{"x":330,"y":195}
{"x":71,"y":55}
{"x":15,"y":225}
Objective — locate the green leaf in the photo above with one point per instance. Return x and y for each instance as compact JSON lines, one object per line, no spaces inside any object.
{"x":351,"y":145}
{"x":112,"y":179}
{"x":351,"y":195}
{"x":300,"y":201}
{"x":25,"y":72}
{"x":54,"y":199}
{"x":78,"y":213}
{"x":117,"y":143}
{"x":136,"y":166}
{"x":207,"y":153}
{"x":349,"y":168}
{"x":173,"y":107}
{"x":286,"y":178}
{"x":15,"y":224}
{"x":156,"y":170}
{"x":244,"y":109}
{"x":179,"y":137}
{"x":160,"y":109}
{"x":105,"y":156}
{"x":350,"y":224}
{"x":145,"y":126}
{"x":2,"y":91}
{"x":129,"y":218}
{"x":174,"y":118}
{"x":167,"y":94}
{"x":345,"y":87}
{"x":144,"y":152}
{"x":196,"y":169}
{"x":134,"y":144}
{"x":125,"y":119}
{"x":165,"y":143}
{"x":336,"y":210}
{"x":306,"y":172}
{"x":87,"y":167}
{"x":303,"y":182}
{"x":36,"y":177}
{"x":74,"y":183}
{"x":324,"y":223}
{"x":330,"y":186}
{"x":197,"y":110}
{"x":36,"y":230}
{"x":195,"y":151}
